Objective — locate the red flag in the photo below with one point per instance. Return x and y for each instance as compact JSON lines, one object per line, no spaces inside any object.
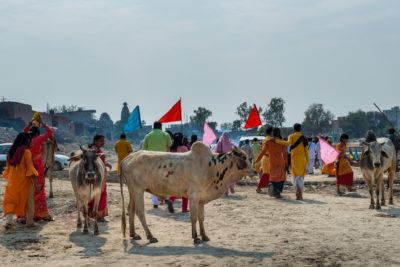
{"x":174,"y":114}
{"x":254,"y":119}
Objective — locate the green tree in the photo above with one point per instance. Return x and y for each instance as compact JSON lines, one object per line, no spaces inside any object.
{"x":317,"y":119}
{"x":274,"y":114}
{"x":355,"y":124}
{"x":236,"y":125}
{"x":200,"y":116}
{"x":226,"y":126}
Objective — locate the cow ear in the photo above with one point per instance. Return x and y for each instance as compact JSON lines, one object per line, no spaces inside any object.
{"x":74,"y":156}
{"x":383,"y":153}
{"x":366,"y":153}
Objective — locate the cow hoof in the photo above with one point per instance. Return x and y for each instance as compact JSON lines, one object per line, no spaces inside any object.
{"x":371,"y":206}
{"x":378,"y":207}
{"x":85,"y":231}
{"x":51,"y":196}
{"x":136,"y":237}
{"x":96,"y":232}
{"x":153,"y":240}
{"x":391,"y":202}
{"x":79,"y":225}
{"x":205,"y":238}
{"x":197,"y":240}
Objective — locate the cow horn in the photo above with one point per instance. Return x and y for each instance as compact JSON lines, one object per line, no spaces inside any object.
{"x":83,"y":150}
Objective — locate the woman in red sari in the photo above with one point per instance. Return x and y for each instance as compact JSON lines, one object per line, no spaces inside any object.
{"x":98,"y":143}
{"x":41,"y":210}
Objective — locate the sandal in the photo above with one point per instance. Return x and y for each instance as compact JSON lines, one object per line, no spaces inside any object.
{"x":9,"y":229}
{"x":48,"y":219}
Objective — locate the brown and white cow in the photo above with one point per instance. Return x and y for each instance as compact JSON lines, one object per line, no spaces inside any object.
{"x":378,"y":156}
{"x":86,"y":173}
{"x":199,"y":175}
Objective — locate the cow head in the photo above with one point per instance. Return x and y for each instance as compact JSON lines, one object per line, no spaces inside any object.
{"x":242,"y":163}
{"x":87,"y":164}
{"x":374,"y":154}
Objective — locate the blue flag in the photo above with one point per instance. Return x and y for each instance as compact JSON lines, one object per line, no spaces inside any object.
{"x":134,"y":122}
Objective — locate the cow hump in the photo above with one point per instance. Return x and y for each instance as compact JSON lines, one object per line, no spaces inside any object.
{"x":201,"y":149}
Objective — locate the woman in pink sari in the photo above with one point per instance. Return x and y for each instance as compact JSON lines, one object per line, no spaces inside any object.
{"x":177,"y":147}
{"x":225,"y":145}
{"x":41,"y":210}
{"x":102,"y":212}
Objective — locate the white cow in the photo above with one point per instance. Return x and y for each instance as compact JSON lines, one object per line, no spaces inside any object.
{"x":378,"y":156}
{"x":199,"y":175}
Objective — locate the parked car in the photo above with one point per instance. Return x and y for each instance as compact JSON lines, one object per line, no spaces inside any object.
{"x":243,"y":139}
{"x":3,"y":154}
{"x":60,"y":161}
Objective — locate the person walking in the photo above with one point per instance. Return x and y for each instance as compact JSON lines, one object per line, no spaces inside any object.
{"x":312,"y":152}
{"x":225,"y":145}
{"x":123,"y":148}
{"x":21,"y":178}
{"x":177,"y":147}
{"x":278,"y":162}
{"x":157,"y":140}
{"x":264,"y":179}
{"x":256,"y":148}
{"x":299,"y":148}
{"x":247,"y":149}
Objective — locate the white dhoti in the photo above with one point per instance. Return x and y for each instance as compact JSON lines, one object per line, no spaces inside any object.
{"x":311,"y":166}
{"x":155,"y":200}
{"x":298,"y":182}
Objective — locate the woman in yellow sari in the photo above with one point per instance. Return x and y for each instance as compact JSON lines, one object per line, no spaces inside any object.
{"x":344,"y":173}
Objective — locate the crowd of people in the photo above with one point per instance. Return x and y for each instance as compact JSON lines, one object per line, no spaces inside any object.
{"x":274,"y":159}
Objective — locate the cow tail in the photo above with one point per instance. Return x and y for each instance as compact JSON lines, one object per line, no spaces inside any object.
{"x":123,"y":215}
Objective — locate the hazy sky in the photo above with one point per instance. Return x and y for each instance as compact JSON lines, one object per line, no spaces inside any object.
{"x":217,"y":54}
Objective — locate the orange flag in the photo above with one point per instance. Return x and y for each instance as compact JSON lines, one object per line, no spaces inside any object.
{"x":174,"y":114}
{"x":254,"y":119}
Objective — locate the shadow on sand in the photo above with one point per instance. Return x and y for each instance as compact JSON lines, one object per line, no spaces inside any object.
{"x":177,"y":216}
{"x":22,"y":237}
{"x":202,"y":249}
{"x":389,"y":212}
{"x":304,"y":201}
{"x":90,"y":243}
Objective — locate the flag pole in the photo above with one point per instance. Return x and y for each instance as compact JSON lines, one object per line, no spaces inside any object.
{"x":180,"y":99}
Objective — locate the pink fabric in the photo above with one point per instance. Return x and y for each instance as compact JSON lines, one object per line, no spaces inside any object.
{"x":328,"y":152}
{"x":209,"y":135}
{"x":224,"y":144}
{"x":185,"y":202}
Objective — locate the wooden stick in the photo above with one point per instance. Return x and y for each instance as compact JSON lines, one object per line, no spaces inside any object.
{"x":384,"y":115}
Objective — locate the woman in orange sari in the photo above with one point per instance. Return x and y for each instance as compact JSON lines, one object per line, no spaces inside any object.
{"x":344,"y":173}
{"x":21,"y":175}
{"x":277,"y":162}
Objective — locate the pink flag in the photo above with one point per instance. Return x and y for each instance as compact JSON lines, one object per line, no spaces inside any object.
{"x":328,"y":152}
{"x":209,"y":135}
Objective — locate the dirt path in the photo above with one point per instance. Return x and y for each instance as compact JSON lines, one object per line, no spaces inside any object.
{"x":245,"y":229}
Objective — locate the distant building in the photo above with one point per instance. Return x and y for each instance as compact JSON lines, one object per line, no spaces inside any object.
{"x":393,"y":115}
{"x":84,"y":121}
{"x":125,"y":112}
{"x":15,"y":110}
{"x":105,"y":126}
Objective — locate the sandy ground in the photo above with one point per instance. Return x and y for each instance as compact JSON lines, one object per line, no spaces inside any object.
{"x":245,"y":229}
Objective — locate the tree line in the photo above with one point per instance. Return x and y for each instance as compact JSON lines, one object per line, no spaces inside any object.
{"x":317,"y":119}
